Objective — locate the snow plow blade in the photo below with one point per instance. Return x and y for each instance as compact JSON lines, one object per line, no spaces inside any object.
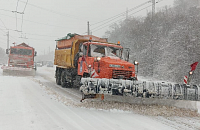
{"x":141,"y":92}
{"x":17,"y":71}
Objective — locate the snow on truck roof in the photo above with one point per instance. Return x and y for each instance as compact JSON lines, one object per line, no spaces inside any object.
{"x":69,"y":35}
{"x":23,"y":45}
{"x":82,"y":37}
{"x":66,"y":42}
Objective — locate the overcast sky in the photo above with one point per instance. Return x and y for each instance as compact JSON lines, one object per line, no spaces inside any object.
{"x":44,"y":21}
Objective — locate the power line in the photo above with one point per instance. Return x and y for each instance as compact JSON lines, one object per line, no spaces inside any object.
{"x":41,"y":35}
{"x":4,"y":24}
{"x":33,"y":21}
{"x":34,"y":34}
{"x":16,"y":13}
{"x":25,"y":38}
{"x":9,"y":35}
{"x":6,"y":10}
{"x":28,"y":38}
{"x":123,"y":18}
{"x":38,"y":39}
{"x":2,"y":30}
{"x":52,"y":11}
{"x":116,"y":16}
{"x":22,"y":23}
{"x":17,"y":4}
{"x":14,"y":38}
{"x":37,"y":22}
{"x":23,"y":16}
{"x":119,"y":15}
{"x":25,"y":6}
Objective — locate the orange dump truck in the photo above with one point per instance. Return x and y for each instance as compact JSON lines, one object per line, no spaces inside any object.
{"x":21,"y":60}
{"x":94,"y":65}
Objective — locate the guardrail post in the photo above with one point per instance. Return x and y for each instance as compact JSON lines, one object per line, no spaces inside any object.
{"x":173,"y":87}
{"x":185,"y":91}
{"x":181,"y":89}
{"x":196,"y":92}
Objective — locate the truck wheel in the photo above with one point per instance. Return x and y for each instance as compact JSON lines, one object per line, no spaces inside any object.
{"x":58,"y":82}
{"x":63,"y":79}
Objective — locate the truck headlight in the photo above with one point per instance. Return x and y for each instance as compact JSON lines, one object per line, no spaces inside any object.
{"x":98,"y":58}
{"x":116,"y":66}
{"x":136,"y":63}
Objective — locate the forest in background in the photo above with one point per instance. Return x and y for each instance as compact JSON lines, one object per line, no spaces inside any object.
{"x":166,"y":44}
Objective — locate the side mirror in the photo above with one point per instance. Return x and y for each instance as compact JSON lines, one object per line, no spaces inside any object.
{"x":136,"y":64}
{"x":127,"y":50}
{"x":35,"y":53}
{"x":7,"y":51}
{"x":127,"y":56}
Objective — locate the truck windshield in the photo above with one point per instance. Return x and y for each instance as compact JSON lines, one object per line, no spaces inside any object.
{"x":19,"y":51}
{"x":100,"y":51}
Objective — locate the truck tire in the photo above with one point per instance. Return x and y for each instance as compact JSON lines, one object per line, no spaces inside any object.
{"x":58,"y":77}
{"x":64,"y":82}
{"x":63,"y":79}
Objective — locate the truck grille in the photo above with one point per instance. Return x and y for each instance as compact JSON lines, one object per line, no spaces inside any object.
{"x":121,"y":74}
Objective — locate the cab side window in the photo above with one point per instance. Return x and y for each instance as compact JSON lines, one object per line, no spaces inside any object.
{"x":84,"y":50}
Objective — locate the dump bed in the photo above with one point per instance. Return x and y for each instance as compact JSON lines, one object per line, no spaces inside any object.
{"x":67,"y":48}
{"x":66,"y":42}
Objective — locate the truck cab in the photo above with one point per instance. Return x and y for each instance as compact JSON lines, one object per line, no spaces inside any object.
{"x":104,"y":60}
{"x":21,"y":56}
{"x":21,"y":60}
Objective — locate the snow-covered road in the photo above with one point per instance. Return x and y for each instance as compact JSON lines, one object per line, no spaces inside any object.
{"x":36,"y":103}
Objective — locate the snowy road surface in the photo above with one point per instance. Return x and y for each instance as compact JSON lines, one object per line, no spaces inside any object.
{"x":35,"y":103}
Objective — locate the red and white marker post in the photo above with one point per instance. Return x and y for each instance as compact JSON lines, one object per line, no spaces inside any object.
{"x":185,"y":79}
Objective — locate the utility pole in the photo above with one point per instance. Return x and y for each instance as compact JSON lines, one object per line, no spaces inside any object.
{"x":88,"y":24}
{"x":153,"y":9}
{"x":8,"y":40}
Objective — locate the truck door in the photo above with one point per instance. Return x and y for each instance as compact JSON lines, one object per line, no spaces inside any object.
{"x":82,"y":66}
